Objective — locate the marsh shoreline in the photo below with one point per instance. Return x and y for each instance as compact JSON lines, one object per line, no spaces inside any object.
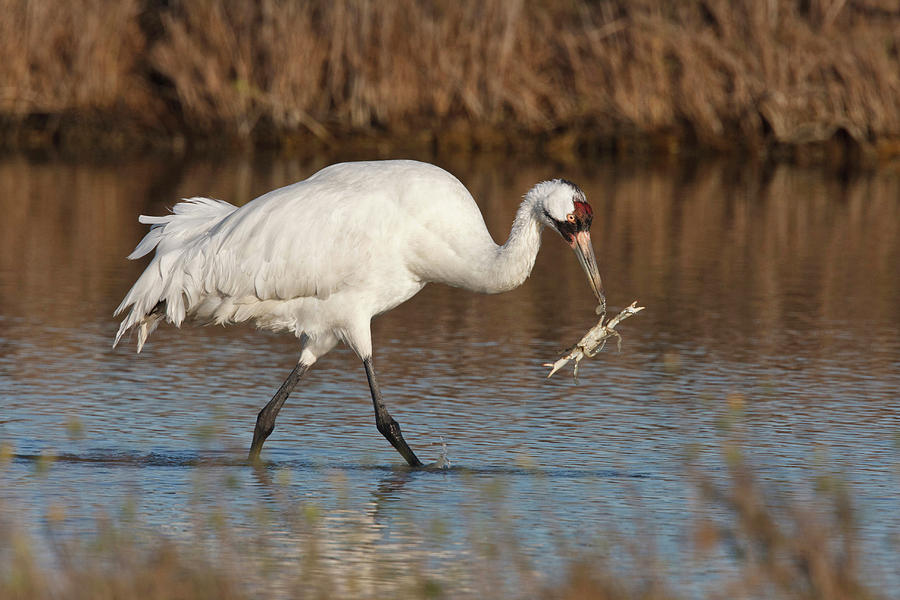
{"x":805,"y":82}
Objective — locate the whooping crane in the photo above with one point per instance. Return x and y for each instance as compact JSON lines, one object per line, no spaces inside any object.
{"x":320,"y":258}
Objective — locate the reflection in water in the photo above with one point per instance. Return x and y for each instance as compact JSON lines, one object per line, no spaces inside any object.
{"x":775,"y":288}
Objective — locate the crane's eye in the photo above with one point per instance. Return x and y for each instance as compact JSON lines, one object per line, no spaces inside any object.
{"x":570,"y":218}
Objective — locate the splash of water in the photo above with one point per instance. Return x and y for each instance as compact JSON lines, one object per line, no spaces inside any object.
{"x":443,"y":460}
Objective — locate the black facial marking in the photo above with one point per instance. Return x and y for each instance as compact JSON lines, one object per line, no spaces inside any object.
{"x":566,"y":229}
{"x":583,"y":215}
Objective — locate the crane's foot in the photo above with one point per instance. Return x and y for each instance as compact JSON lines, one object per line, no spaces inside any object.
{"x":255,"y":451}
{"x":390,"y":429}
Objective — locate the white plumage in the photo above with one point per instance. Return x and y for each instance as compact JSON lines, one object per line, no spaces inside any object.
{"x":321,"y":257}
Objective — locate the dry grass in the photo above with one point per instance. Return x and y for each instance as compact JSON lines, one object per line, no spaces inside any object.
{"x":780,"y":546}
{"x":787,"y":549}
{"x":80,"y":59}
{"x":113,"y":569}
{"x":719,"y":73}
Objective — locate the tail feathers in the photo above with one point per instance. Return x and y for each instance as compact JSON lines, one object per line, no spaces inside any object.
{"x":146,"y":326}
{"x":189,"y":219}
{"x":164,"y":286}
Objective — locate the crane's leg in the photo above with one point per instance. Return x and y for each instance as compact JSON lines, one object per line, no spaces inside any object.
{"x":388,"y":427}
{"x":265,"y":421}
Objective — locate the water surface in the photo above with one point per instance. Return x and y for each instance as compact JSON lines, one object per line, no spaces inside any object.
{"x":772,"y":325}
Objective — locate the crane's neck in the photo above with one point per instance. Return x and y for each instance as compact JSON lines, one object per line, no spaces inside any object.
{"x":509,"y":265}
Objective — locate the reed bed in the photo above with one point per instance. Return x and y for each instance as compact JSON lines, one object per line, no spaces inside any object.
{"x":566,"y":76}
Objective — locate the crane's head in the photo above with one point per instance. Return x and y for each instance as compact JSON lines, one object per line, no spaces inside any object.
{"x":565,"y":209}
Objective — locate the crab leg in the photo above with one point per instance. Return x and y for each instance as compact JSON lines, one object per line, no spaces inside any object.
{"x":594,"y":340}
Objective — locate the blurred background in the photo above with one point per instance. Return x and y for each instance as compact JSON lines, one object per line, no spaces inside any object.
{"x":566,"y":76}
{"x":743,"y":162}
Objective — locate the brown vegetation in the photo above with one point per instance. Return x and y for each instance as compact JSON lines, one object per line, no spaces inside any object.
{"x":778,"y":548}
{"x":573,"y":74}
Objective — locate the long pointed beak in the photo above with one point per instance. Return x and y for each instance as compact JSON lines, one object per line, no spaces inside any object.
{"x":584,"y":250}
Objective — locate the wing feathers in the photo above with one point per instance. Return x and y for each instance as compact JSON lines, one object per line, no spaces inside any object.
{"x":351,"y":225}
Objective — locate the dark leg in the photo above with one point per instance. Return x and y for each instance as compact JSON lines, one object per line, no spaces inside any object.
{"x":265,"y":421}
{"x":388,"y":427}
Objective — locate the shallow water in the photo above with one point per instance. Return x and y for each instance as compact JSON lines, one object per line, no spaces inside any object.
{"x":772,"y":325}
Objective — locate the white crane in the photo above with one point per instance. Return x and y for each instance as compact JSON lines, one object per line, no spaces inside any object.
{"x":320,"y":258}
